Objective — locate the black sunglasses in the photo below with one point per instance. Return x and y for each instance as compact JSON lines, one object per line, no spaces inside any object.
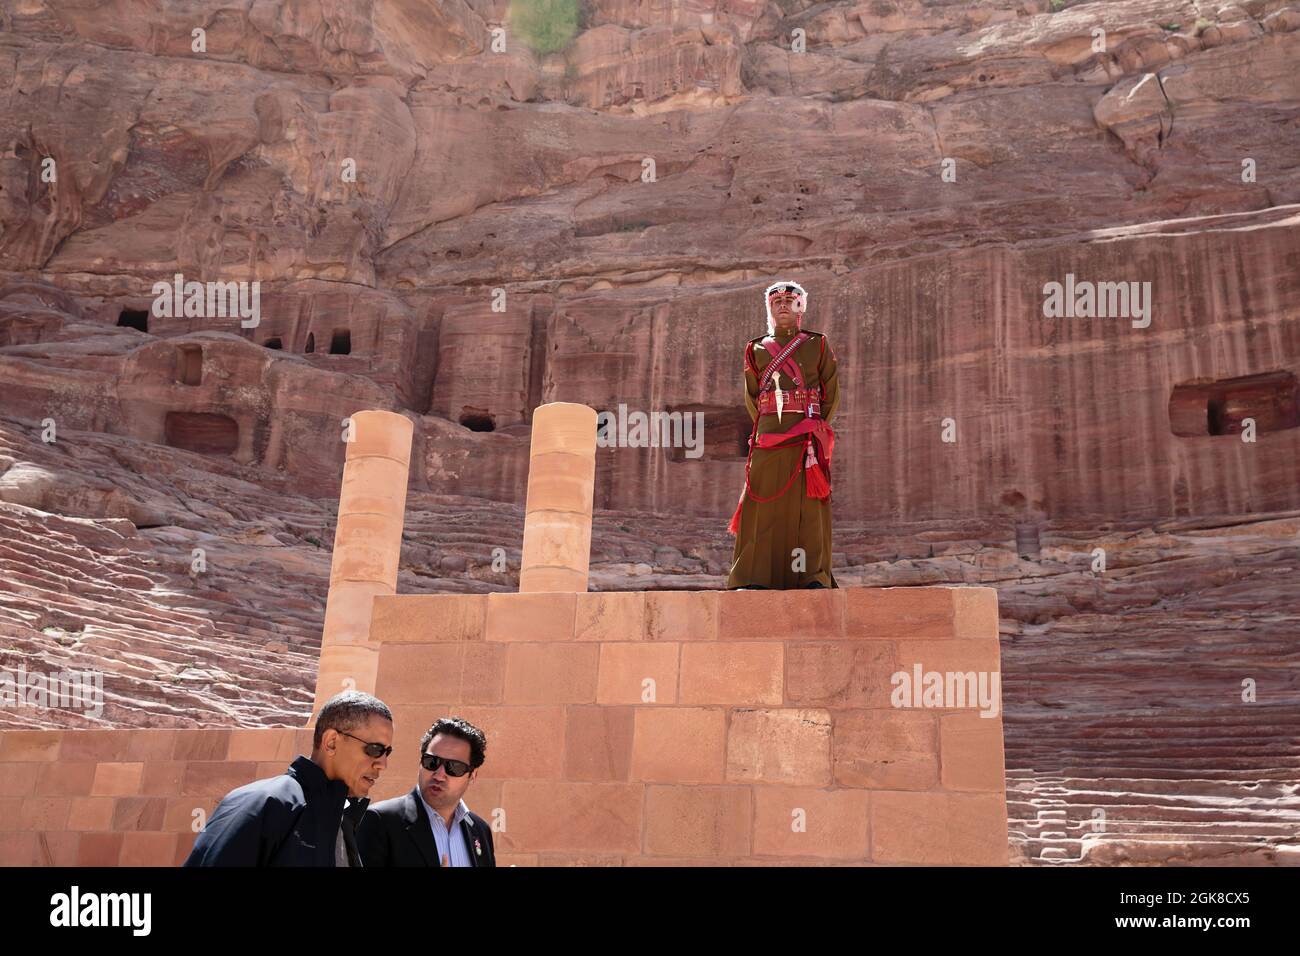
{"x":455,"y":768}
{"x":372,"y":750}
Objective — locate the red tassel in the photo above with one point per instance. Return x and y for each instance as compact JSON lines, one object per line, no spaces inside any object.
{"x":818,"y":486}
{"x":734,"y":527}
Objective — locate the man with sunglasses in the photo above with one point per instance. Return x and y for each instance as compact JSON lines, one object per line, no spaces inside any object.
{"x":782,"y":522}
{"x":303,"y":817}
{"x":431,"y":825}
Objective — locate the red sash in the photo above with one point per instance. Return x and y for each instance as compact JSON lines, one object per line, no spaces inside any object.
{"x":815,"y":428}
{"x":819,"y":443}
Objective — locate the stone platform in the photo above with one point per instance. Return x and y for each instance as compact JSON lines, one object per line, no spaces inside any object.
{"x":637,"y":728}
{"x":624,"y":728}
{"x":769,"y":736}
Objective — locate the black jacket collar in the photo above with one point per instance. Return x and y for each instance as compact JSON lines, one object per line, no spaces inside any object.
{"x":312,"y":778}
{"x":416,"y":820}
{"x":326,"y":802}
{"x":309,"y":774}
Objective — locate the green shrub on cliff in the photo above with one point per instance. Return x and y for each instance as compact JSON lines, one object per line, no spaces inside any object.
{"x":546,"y":26}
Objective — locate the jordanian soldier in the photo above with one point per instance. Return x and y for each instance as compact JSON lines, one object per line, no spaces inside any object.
{"x":783,"y":521}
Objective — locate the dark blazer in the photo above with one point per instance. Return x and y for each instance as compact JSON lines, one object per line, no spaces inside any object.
{"x":289,"y":820}
{"x":396,"y":833}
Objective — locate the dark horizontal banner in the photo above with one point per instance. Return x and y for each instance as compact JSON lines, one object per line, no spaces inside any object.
{"x":216,"y":906}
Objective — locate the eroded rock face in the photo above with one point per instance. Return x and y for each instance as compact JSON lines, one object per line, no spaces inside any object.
{"x":460,"y":233}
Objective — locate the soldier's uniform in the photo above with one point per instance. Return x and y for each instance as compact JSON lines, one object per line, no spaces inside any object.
{"x":786,"y":501}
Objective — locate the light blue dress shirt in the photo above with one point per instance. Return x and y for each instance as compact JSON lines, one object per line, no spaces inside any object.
{"x":450,"y":842}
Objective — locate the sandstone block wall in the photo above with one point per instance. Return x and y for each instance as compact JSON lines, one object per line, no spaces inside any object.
{"x":124,"y":797}
{"x":767,"y":710}
{"x":769,"y":738}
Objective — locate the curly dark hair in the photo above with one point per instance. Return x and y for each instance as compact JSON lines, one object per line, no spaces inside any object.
{"x":462,"y":728}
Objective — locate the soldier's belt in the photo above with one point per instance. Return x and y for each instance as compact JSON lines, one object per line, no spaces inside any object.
{"x":798,"y":400}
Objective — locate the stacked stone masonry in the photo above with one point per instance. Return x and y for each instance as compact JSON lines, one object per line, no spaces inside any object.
{"x":767,"y":736}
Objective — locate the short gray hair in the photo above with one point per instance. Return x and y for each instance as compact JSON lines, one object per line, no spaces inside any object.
{"x":348,"y":711}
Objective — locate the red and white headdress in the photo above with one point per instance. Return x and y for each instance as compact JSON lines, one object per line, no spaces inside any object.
{"x":800,"y":302}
